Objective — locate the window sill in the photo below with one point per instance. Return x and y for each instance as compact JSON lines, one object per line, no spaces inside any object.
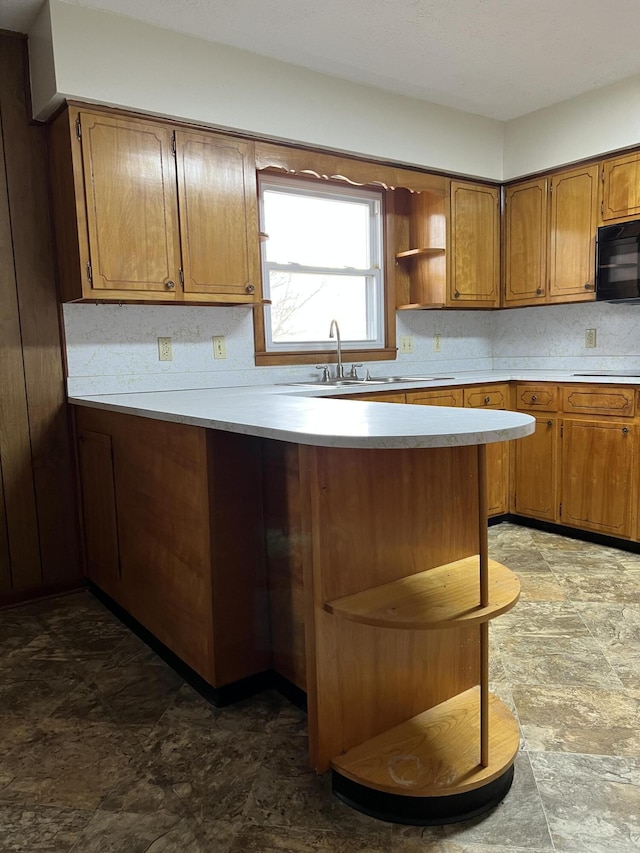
{"x":263,"y":359}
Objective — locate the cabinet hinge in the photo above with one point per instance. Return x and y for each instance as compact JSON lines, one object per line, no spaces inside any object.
{"x":601,"y":208}
{"x":560,"y":512}
{"x":602,"y":175}
{"x":78,"y":128}
{"x":561,"y":430}
{"x":173,"y":144}
{"x":89,"y":272}
{"x":181,"y":275}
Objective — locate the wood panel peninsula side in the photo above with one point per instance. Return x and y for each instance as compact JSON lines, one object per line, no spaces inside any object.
{"x":379,"y":586}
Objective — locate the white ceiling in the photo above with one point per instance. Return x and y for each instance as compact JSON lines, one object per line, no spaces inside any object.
{"x":496,"y":58}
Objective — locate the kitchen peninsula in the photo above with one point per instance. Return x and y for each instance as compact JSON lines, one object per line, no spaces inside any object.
{"x":376,"y":576}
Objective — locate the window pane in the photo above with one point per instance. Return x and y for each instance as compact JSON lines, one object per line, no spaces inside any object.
{"x":315,"y":231}
{"x":303,"y":305}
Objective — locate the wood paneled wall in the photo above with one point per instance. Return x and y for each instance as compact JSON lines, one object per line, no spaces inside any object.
{"x":39,"y":551}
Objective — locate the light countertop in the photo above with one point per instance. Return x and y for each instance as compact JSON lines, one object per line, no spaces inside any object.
{"x":298,"y":413}
{"x":295,"y":414}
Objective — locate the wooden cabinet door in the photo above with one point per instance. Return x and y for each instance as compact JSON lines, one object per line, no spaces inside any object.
{"x":493,"y":397}
{"x":526,"y":243}
{"x":451,"y":397}
{"x":497,"y":478}
{"x":218,"y":215}
{"x":536,"y":471}
{"x":374,"y":398}
{"x":621,"y":188}
{"x":99,"y":511}
{"x":131,"y":204}
{"x":474,"y":249}
{"x":572,"y":245}
{"x":598,"y":476}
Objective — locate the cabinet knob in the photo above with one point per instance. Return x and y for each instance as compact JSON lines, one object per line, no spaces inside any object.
{"x":487,"y":400}
{"x":250,"y":288}
{"x":170,"y":285}
{"x":588,"y":286}
{"x":534,"y":398}
{"x":456,"y":294}
{"x":549,"y":423}
{"x":625,"y":430}
{"x":538,"y":291}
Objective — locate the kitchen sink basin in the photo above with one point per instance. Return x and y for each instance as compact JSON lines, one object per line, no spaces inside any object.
{"x":372,"y":380}
{"x":391,"y":379}
{"x":332,"y":383}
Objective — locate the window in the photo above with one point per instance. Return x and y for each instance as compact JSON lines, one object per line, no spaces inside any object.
{"x":322,"y":260}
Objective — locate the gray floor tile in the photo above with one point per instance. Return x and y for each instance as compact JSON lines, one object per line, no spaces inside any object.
{"x":103,"y":748}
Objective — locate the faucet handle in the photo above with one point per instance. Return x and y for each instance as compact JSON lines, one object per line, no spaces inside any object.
{"x":325,"y":372}
{"x":353,"y":373}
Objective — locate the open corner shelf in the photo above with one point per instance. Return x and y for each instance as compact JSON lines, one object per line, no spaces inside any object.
{"x":414,"y":253}
{"x":420,"y":306}
{"x":436,"y":752}
{"x":445,"y":596}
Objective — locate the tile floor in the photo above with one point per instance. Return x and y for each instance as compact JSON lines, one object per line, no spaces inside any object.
{"x":104,"y":748}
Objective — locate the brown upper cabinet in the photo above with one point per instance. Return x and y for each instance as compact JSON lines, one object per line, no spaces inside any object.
{"x":620,"y":188}
{"x":146,"y":213}
{"x":448,"y":247}
{"x":219,"y":214}
{"x":474,"y":246}
{"x":572,"y":244}
{"x":550,"y":230}
{"x":525,"y":255}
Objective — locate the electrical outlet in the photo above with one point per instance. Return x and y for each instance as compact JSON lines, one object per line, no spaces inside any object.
{"x":590,"y":338}
{"x":406,"y":343}
{"x":219,"y":346}
{"x":165,"y":349}
{"x":437,"y":343}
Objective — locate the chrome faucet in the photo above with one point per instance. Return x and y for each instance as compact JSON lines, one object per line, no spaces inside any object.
{"x":339,"y":367}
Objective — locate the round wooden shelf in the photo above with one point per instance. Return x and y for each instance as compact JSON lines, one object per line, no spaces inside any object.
{"x":445,"y":596}
{"x":436,"y":753}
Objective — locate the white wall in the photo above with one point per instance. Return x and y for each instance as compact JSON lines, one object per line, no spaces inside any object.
{"x":553,"y":337}
{"x":92,"y":55}
{"x":113,"y":348}
{"x":596,"y":123}
{"x":111,"y":59}
{"x":95,"y":56}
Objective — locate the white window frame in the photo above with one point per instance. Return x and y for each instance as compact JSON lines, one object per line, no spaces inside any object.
{"x":374,"y":275}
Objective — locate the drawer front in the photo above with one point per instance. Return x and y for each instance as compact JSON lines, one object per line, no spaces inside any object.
{"x":441,"y":397}
{"x":487,"y":397}
{"x":599,"y":400}
{"x":543,"y":397}
{"x":374,"y":398}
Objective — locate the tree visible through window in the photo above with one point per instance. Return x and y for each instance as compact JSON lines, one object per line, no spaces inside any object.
{"x":322,"y":261}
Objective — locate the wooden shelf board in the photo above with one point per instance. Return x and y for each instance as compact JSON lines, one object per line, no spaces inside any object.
{"x":436,"y":753}
{"x":445,"y":596}
{"x":419,"y":306}
{"x":414,"y":253}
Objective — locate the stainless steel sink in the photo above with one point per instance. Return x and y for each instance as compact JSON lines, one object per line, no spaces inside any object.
{"x":391,"y":379}
{"x":332,"y":383}
{"x":371,"y":380}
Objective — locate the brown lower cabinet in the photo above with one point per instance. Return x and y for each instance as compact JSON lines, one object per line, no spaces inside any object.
{"x":535,"y":471}
{"x":598,"y":475}
{"x":487,"y":397}
{"x":174,"y":534}
{"x":577,"y":469}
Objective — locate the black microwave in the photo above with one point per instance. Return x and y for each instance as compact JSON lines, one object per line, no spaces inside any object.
{"x":618,"y":262}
